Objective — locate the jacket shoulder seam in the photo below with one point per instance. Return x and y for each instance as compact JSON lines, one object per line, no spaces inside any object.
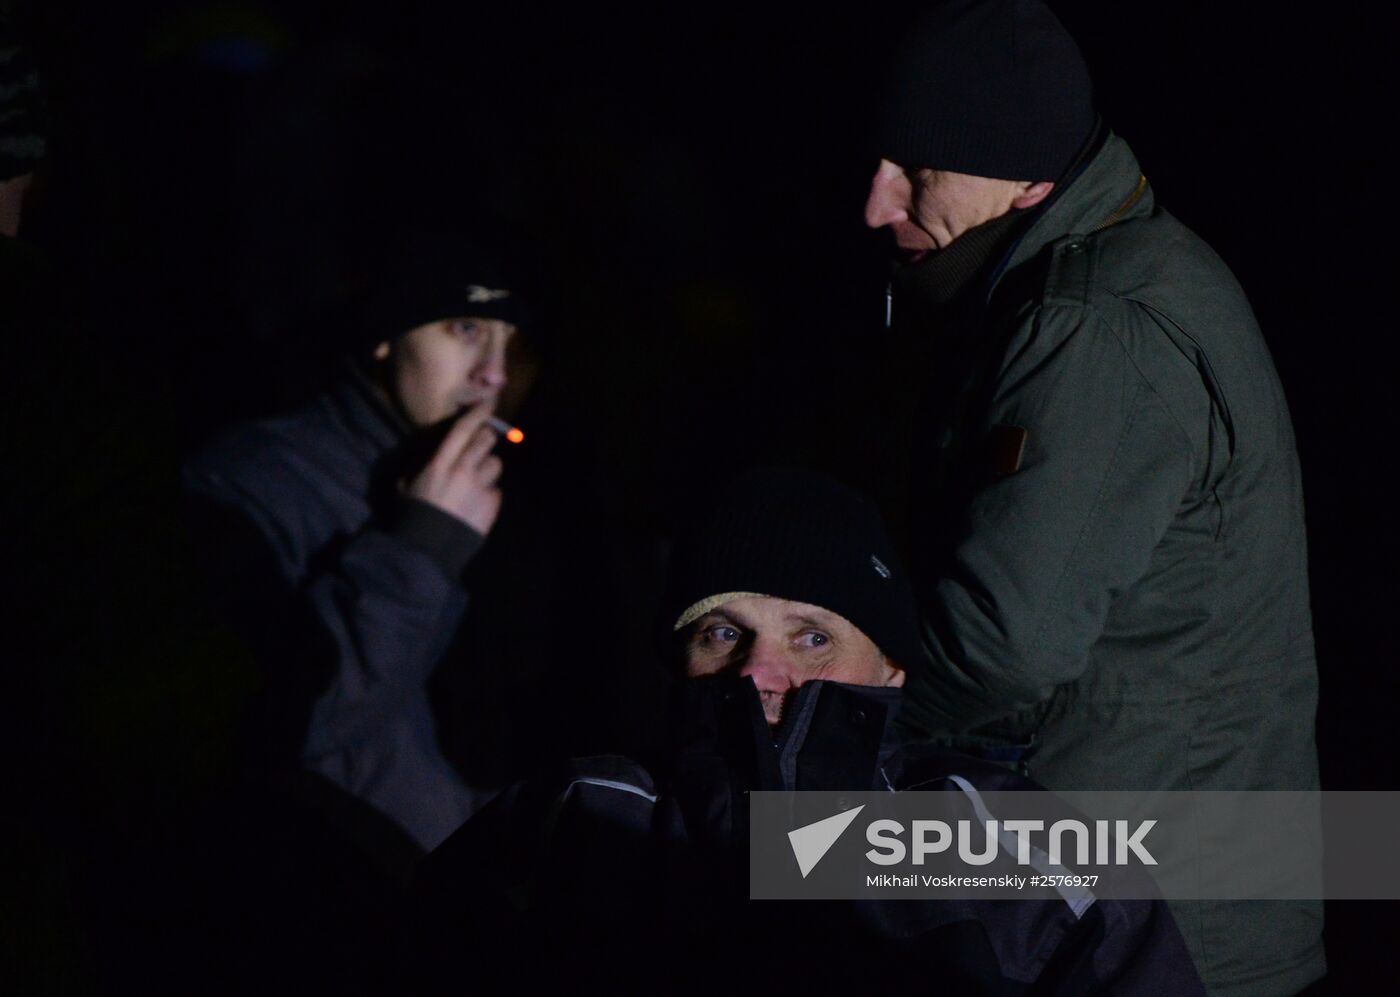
{"x":1147,"y":382}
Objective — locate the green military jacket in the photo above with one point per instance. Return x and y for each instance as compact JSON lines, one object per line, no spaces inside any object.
{"x":1126,"y":587}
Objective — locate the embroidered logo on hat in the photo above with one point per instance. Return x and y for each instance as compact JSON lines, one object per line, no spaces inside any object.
{"x":879,"y":567}
{"x":478,"y":295}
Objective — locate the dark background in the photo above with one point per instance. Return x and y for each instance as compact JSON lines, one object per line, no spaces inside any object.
{"x":681,"y":193}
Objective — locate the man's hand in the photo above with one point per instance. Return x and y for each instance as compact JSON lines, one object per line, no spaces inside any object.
{"x":461,"y":476}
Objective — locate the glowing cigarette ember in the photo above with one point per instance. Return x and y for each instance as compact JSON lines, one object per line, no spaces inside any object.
{"x":512,"y":433}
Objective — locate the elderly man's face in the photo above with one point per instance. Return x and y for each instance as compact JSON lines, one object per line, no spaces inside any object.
{"x":781,"y":644}
{"x":928,"y":209}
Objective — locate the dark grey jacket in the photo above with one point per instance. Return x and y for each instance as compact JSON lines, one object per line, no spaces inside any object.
{"x":1123,"y":589}
{"x":610,"y":876}
{"x":348,"y":594}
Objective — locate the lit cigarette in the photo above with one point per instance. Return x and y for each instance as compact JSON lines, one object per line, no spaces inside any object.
{"x":512,"y":433}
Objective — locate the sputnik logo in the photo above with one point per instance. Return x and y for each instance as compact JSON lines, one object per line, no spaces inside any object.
{"x":811,"y":842}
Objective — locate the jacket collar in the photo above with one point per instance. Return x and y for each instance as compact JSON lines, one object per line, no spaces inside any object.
{"x":937,"y":280}
{"x":837,"y":736}
{"x":1109,"y":189}
{"x":362,"y":415}
{"x":832,"y":736}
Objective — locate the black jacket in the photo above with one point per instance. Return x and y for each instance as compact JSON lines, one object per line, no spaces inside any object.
{"x":348,"y":594}
{"x":607,"y":875}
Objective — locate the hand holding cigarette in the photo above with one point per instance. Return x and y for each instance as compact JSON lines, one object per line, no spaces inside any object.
{"x":461,"y":476}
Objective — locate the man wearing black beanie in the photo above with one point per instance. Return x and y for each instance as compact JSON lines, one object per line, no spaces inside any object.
{"x":1109,"y":552}
{"x":335,"y":538}
{"x":804,"y":560}
{"x":791,"y":618}
{"x":338,"y":534}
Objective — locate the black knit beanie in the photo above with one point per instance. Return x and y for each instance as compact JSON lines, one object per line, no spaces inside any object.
{"x":422,"y":276}
{"x":803,"y":536}
{"x":993,"y":88}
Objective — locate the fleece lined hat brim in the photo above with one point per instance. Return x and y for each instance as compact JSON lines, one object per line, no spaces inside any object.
{"x":799,"y":535}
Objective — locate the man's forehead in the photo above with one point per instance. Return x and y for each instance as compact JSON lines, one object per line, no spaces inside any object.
{"x":483,"y":320}
{"x":449,"y":320}
{"x":751,"y":608}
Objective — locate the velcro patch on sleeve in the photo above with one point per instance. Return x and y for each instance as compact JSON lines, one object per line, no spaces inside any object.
{"x":1005,"y":447}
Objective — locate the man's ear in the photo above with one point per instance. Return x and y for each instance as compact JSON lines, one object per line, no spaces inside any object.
{"x":894,"y":675}
{"x":381,"y":352}
{"x":1033,"y":193}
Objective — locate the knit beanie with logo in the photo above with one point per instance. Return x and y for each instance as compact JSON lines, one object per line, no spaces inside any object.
{"x":803,"y":536}
{"x":421,"y":276}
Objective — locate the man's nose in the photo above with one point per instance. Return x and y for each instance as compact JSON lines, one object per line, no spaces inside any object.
{"x":886,"y":203}
{"x":490,"y":370}
{"x":770,"y":666}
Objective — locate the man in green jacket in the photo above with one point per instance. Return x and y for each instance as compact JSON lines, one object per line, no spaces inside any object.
{"x":1107,"y":512}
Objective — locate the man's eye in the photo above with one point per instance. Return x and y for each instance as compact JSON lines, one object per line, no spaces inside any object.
{"x":723,"y":634}
{"x":814,"y":638}
{"x":467,"y":330}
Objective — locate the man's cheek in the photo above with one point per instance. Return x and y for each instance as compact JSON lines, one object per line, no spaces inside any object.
{"x":699,"y":664}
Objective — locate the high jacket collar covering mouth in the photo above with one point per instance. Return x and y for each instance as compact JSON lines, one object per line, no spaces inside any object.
{"x":832,"y":735}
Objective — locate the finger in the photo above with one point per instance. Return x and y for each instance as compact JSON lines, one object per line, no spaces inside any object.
{"x":462,"y":432}
{"x":489,"y":471}
{"x":476,"y":450}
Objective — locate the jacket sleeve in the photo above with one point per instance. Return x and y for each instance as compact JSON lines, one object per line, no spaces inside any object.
{"x":341,"y":632}
{"x":553,"y":884}
{"x":1013,"y":608}
{"x":1137,"y":949}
